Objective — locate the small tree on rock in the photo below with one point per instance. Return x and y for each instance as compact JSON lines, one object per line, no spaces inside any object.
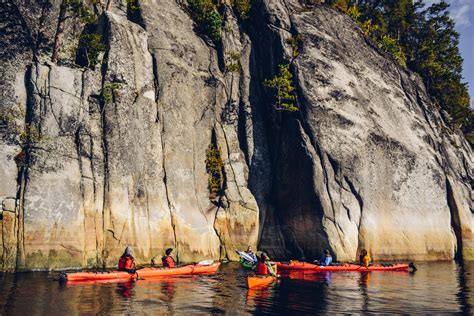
{"x":284,"y":89}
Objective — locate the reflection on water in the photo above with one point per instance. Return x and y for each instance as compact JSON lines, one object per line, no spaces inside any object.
{"x":434,"y":288}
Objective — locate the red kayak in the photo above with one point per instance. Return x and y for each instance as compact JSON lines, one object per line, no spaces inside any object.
{"x":303,"y":266}
{"x":259,"y":280}
{"x":141,"y":273}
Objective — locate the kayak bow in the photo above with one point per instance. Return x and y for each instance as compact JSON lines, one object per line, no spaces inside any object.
{"x":246,"y":265}
{"x":259,"y":280}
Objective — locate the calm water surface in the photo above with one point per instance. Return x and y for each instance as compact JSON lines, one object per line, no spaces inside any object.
{"x":434,"y":288}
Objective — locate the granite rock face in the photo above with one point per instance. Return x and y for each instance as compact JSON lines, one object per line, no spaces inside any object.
{"x":97,"y":158}
{"x":377,"y":164}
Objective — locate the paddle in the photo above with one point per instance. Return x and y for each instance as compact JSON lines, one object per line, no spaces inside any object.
{"x":245,"y":256}
{"x":138,"y":277}
{"x":206,"y":262}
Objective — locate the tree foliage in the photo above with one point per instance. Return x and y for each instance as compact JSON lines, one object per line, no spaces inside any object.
{"x":110,"y":92}
{"x":206,"y":15}
{"x":93,"y":46}
{"x":295,"y":43}
{"x":79,"y":8}
{"x":284,"y":89}
{"x":16,"y":130}
{"x":214,"y":167}
{"x":423,"y":39}
{"x":71,"y":9}
{"x":391,"y":46}
{"x":232,"y":62}
{"x":242,"y":7}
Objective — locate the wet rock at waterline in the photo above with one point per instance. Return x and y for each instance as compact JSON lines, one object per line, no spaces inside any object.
{"x":115,"y":154}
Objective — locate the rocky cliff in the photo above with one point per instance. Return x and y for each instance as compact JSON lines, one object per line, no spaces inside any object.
{"x":96,"y":157}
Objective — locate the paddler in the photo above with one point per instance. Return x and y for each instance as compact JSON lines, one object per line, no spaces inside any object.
{"x":126,"y":261}
{"x":364,"y":258}
{"x":167,"y":260}
{"x":326,"y":259}
{"x":264,"y":267}
{"x":251,"y":253}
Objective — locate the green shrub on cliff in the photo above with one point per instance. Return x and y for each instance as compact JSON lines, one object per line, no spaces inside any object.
{"x":232,"y":62}
{"x":209,"y":20}
{"x":242,"y":7}
{"x":93,"y":47}
{"x":214,"y":167}
{"x":133,"y":5}
{"x":213,"y":25}
{"x":284,"y":89}
{"x":80,"y":9}
{"x":110,"y":92}
{"x":13,"y":119}
{"x":295,"y":43}
{"x":391,"y":46}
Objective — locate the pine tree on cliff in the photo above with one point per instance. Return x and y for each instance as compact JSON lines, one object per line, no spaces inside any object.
{"x":438,"y":60}
{"x":427,"y":41}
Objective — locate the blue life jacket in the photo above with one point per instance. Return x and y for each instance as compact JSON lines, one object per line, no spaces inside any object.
{"x":325,"y":260}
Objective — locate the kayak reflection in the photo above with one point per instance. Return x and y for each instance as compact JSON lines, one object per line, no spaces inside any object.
{"x":126,"y":289}
{"x":364,"y":281}
{"x":260,"y":299}
{"x":320,"y":277}
{"x":168,"y":289}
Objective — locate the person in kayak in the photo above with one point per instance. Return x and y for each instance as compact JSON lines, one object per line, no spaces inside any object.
{"x":264,"y":267}
{"x":168,"y":261}
{"x":364,"y":258}
{"x":251,"y":253}
{"x":326,"y":259}
{"x":126,"y":261}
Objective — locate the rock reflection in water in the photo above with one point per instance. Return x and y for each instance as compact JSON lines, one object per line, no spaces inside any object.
{"x":434,"y":288}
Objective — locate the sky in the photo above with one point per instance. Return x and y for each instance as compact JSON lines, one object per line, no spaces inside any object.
{"x":462,"y":11}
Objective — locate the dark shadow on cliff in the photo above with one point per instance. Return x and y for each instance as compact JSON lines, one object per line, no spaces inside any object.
{"x":290,"y":211}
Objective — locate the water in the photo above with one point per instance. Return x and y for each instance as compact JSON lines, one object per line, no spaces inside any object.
{"x":434,"y":288}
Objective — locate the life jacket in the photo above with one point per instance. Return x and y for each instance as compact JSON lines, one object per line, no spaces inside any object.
{"x":364,"y":260}
{"x":126,"y":262}
{"x":168,"y":262}
{"x":262,"y":268}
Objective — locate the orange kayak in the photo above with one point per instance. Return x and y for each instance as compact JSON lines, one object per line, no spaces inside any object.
{"x":98,"y":276}
{"x":141,"y":273}
{"x":303,"y":266}
{"x":259,"y":280}
{"x":203,"y":269}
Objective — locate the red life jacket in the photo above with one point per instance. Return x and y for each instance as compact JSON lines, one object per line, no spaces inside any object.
{"x":126,"y":262}
{"x":262,"y":268}
{"x":168,"y":262}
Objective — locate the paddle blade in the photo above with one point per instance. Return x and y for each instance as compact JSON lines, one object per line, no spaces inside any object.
{"x":245,"y":256}
{"x":206,"y":262}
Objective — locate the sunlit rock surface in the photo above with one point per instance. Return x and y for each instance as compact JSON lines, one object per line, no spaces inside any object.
{"x":115,"y":154}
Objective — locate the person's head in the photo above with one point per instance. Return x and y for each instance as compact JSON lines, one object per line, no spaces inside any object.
{"x":249,"y":248}
{"x":263,"y":257}
{"x":169,"y":251}
{"x":327,"y":253}
{"x":128,"y":251}
{"x":363,"y":252}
